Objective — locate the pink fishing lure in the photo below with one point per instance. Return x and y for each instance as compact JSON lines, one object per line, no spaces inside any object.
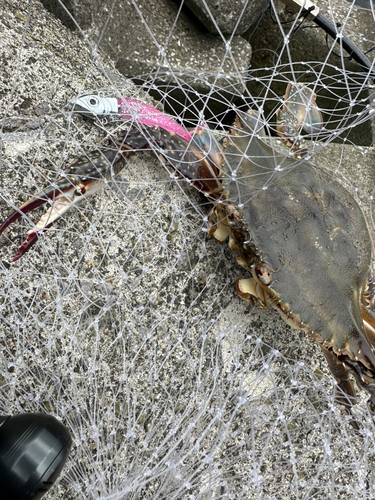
{"x":133,"y":109}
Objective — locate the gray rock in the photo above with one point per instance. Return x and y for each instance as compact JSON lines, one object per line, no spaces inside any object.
{"x":55,"y":66}
{"x":156,"y":37}
{"x":310,"y":44}
{"x":227,"y":17}
{"x":19,"y":122}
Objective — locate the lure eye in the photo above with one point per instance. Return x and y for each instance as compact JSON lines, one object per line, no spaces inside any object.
{"x":93,"y":101}
{"x":80,"y":191}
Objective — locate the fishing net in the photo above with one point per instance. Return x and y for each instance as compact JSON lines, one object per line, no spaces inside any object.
{"x":123,"y":319}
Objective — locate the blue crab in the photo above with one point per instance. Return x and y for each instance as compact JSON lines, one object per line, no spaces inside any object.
{"x":300,"y":235}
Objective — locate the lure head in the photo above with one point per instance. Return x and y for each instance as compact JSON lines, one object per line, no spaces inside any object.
{"x":111,"y":109}
{"x":93,"y":105}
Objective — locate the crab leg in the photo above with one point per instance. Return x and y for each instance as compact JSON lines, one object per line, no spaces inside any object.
{"x":84,"y":177}
{"x":347,"y":394}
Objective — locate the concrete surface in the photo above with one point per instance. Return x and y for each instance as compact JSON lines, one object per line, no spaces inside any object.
{"x":227,"y":17}
{"x":124,"y":322}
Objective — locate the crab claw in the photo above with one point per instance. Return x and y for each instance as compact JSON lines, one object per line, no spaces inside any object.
{"x":299,"y":111}
{"x":198,"y":160}
{"x":84,"y":177}
{"x":300,"y":102}
{"x":45,"y":222}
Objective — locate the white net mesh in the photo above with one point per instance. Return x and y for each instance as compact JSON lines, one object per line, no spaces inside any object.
{"x":123,"y":320}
